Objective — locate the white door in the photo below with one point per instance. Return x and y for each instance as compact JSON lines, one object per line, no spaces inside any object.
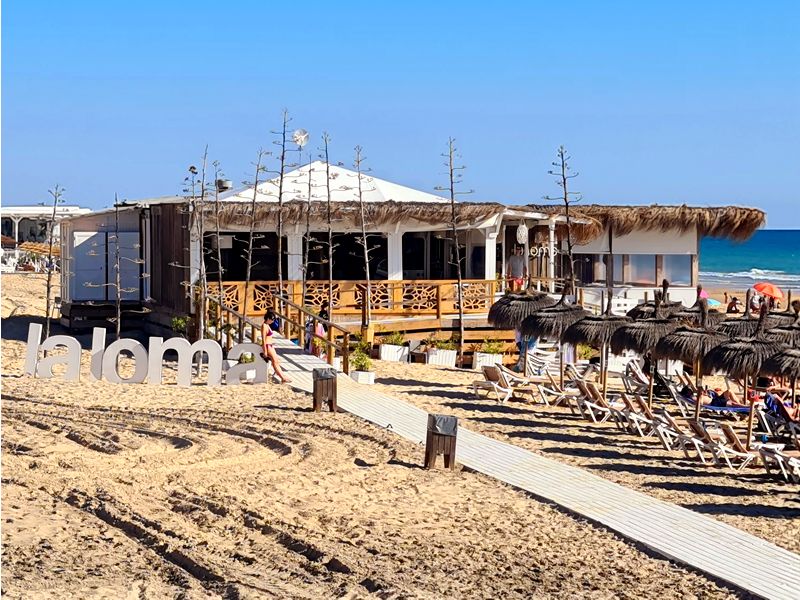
{"x":88,"y":266}
{"x":129,"y":265}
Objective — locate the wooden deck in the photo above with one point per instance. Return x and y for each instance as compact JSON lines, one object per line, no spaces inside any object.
{"x":721,"y":551}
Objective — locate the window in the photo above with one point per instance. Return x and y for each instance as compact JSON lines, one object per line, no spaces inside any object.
{"x":618,"y":271}
{"x":591,"y":268}
{"x":678,"y":269}
{"x":642,"y":269}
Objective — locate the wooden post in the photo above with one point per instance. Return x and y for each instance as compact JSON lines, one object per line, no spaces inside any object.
{"x":346,"y":353}
{"x":439,"y":301}
{"x":438,"y":443}
{"x":331,"y":347}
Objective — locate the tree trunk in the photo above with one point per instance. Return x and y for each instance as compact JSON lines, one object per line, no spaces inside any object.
{"x":249,"y":255}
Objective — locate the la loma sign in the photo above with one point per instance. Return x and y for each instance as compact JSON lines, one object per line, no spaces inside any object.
{"x":148,"y":362}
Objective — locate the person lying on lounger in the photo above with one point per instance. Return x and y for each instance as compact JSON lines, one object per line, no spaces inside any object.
{"x":720,"y":398}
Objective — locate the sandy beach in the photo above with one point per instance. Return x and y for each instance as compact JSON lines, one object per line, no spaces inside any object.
{"x":143,"y":491}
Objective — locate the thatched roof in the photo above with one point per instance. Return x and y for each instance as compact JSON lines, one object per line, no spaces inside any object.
{"x":641,"y":336}
{"x":237,"y":213}
{"x":734,"y":222}
{"x":595,"y":330}
{"x":647,"y":310}
{"x":689,"y":344}
{"x":697,"y":312}
{"x":512,"y":309}
{"x":742,"y":357}
{"x":786,"y":363}
{"x":552,"y":322}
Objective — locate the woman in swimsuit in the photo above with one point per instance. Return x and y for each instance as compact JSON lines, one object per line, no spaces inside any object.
{"x":268,"y":348}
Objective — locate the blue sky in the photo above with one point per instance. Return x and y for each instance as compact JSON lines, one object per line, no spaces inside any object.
{"x":681,"y":102}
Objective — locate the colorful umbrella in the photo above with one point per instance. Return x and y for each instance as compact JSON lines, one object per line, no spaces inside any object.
{"x":769,"y":289}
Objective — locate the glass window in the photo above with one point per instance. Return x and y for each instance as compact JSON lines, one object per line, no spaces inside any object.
{"x":618,"y":269}
{"x":642,"y":269}
{"x":678,"y":269}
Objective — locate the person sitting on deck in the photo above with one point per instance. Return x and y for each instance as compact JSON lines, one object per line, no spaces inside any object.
{"x":268,"y":347}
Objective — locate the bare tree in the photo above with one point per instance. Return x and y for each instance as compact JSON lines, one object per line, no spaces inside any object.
{"x":260,"y":168}
{"x":307,"y":234}
{"x":454,"y":179}
{"x":563,"y":175}
{"x":358,"y":163}
{"x":281,"y":172}
{"x":328,"y":220}
{"x":218,"y":177}
{"x":57,"y":194}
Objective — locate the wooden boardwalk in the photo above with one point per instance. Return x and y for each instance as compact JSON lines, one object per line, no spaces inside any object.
{"x":705,"y":544}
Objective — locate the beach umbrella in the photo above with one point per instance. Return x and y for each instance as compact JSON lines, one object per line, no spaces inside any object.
{"x":647,"y":310}
{"x":596,"y":330}
{"x":552,"y":322}
{"x":513,"y":308}
{"x":743,"y":358}
{"x":746,"y":325}
{"x":788,"y":317}
{"x":714,"y":303}
{"x":785,"y":363}
{"x":692,"y":314}
{"x":768,"y":289}
{"x":690,"y":344}
{"x":642,"y":336}
{"x":509,"y":311}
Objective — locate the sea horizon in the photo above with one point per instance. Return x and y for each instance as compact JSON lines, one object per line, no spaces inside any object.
{"x":770,"y":255}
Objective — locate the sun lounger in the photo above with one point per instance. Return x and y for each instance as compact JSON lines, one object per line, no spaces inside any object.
{"x":775,"y":458}
{"x":733,"y":451}
{"x":518,"y":385}
{"x":491,"y":383}
{"x":689,"y":441}
{"x":553,"y":394}
{"x":637,"y":421}
{"x":687,"y":406}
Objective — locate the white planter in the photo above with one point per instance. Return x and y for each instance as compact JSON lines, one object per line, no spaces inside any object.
{"x":443,"y":358}
{"x":365,"y":377}
{"x":393,"y":353}
{"x":337,"y":363}
{"x":482,"y":359}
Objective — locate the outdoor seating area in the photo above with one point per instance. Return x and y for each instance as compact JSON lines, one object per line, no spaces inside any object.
{"x":715,"y":438}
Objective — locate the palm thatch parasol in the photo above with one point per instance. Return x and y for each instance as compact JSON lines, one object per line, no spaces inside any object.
{"x":690,"y":344}
{"x":789,"y":335}
{"x":743,"y":326}
{"x":785,"y":363}
{"x":692,"y":314}
{"x":511,"y":310}
{"x":552,"y":322}
{"x":647,"y":310}
{"x":642,"y":336}
{"x":788,"y":317}
{"x":596,"y":330}
{"x":743,"y":358}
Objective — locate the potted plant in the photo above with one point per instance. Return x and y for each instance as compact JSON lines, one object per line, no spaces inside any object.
{"x":442,"y":352}
{"x":361,"y":365}
{"x":393,"y":347}
{"x":487,"y":354}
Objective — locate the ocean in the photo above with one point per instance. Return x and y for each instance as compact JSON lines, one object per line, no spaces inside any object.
{"x":770,"y":255}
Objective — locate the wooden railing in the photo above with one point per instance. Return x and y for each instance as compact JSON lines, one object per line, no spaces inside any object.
{"x":228,"y":326}
{"x":294,"y":319}
{"x":388,"y":298}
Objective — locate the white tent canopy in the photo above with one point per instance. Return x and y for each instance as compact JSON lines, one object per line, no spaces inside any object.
{"x":344,"y":187}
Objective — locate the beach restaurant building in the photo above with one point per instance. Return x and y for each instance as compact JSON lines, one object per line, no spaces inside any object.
{"x":412,"y":251}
